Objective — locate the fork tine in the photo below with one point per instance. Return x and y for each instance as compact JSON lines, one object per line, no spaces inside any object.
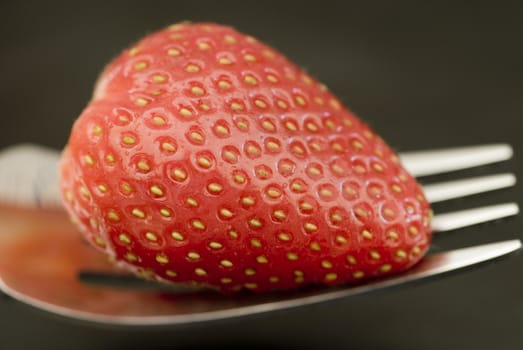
{"x":463,"y":218}
{"x":422,"y":163}
{"x":443,"y":191}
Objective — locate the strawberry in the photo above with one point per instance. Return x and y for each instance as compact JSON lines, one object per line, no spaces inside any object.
{"x":207,"y":157}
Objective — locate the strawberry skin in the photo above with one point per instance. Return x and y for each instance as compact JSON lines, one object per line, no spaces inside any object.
{"x":207,"y":157}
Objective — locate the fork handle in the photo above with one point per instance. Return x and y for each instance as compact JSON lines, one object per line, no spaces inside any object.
{"x":29,"y":176}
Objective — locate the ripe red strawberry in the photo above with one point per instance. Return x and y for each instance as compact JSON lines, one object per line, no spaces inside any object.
{"x":206,"y":156}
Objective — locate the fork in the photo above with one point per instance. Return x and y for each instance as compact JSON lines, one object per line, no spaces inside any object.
{"x":68,"y":278}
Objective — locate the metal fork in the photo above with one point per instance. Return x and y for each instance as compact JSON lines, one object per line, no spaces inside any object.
{"x":44,"y":265}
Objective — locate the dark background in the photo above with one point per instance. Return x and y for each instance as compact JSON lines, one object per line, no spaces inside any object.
{"x":423,"y":74}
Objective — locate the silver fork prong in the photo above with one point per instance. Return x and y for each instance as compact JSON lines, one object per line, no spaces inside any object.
{"x":422,"y":163}
{"x":442,"y":191}
{"x":463,"y":218}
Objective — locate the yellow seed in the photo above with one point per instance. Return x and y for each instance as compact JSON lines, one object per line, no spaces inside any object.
{"x":127,"y":188}
{"x":242,"y":125}
{"x":141,"y":102}
{"x":229,"y":39}
{"x":235,"y":106}
{"x":168,"y":147}
{"x":296,"y":186}
{"x":238,"y":178}
{"x":282,"y":104}
{"x":99,"y":241}
{"x":158,"y":120}
{"x":396,"y":188}
{"x":366,"y":234}
{"x":254,"y":222}
{"x":177,"y":236}
{"x":341,"y":239}
{"x":198,"y":91}
{"x":179,"y":174}
{"x":224,"y":61}
{"x":357,"y":145}
{"x":193,"y":255}
{"x":138,"y":213}
{"x":273,"y":279}
{"x":285,"y":237}
{"x":273,"y":146}
{"x":250,"y":285}
{"x":261,"y":259}
{"x":171,"y":273}
{"x":326,"y":264}
{"x":273,"y":192}
{"x":215,"y":245}
{"x":140,"y":65}
{"x":156,"y":190}
{"x":248,"y":201}
{"x":416,"y":250}
{"x":226,"y":263}
{"x":88,"y":160}
{"x":204,"y":46}
{"x":401,"y":254}
{"x":226,"y":213}
{"x":131,"y":257}
{"x":204,"y":106}
{"x":197,"y":224}
{"x":225,"y":280}
{"x":253,"y":150}
{"x":223,"y":84}
{"x":249,"y":58}
{"x":331,"y":276}
{"x":85,"y":192}
{"x":230,"y":156}
{"x":97,"y":130}
{"x":250,"y":272}
{"x":191,"y":202}
{"x":292,"y":256}
{"x":204,"y":162}
{"x":122,"y":237}
{"x":165,"y":212}
{"x":129,"y":140}
{"x":310,"y":227}
{"x":385,"y":268}
{"x":256,"y":243}
{"x":192,"y":68}
{"x":413,"y":230}
{"x":200,"y":272}
{"x":260,"y":103}
{"x":173,"y":52}
{"x":300,"y":100}
{"x":113,"y":216}
{"x":279,"y":214}
{"x":336,"y":217}
{"x":185,"y":112}
{"x":392,"y":235}
{"x":221,"y":130}
{"x":110,"y":158}
{"x":306,"y":206}
{"x":159,"y":78}
{"x":351,"y":260}
{"x":358,"y":274}
{"x":215,"y":187}
{"x":271,"y":78}
{"x":102,"y":188}
{"x":151,"y":237}
{"x":142,"y":165}
{"x":315,"y":246}
{"x":290,"y":126}
{"x":249,"y":79}
{"x":133,"y":51}
{"x":312,"y":127}
{"x":374,"y":255}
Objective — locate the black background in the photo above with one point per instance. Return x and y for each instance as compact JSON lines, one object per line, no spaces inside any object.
{"x":422,"y":74}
